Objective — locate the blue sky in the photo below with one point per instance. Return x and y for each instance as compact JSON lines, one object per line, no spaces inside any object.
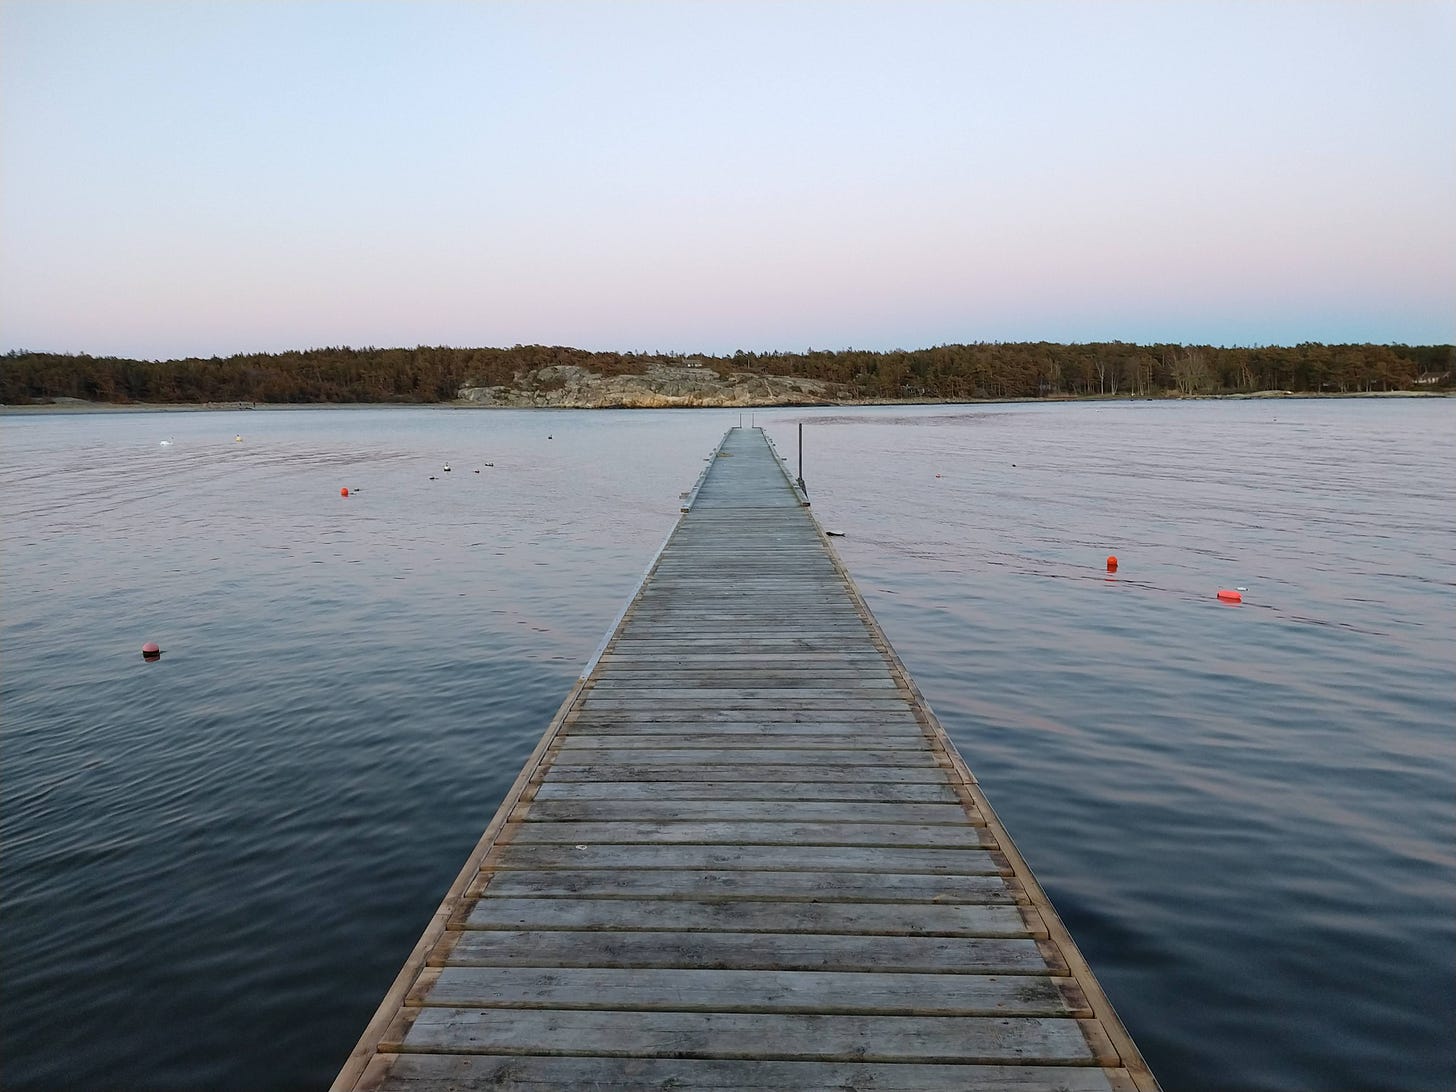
{"x":210,"y":177}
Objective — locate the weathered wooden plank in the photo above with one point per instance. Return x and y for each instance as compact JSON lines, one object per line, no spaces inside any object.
{"x":687,"y":990}
{"x":708,"y":622}
{"x":842,"y":811}
{"x":863,"y":887}
{"x":714,"y":636}
{"x":627,"y":660}
{"x":743,"y":595}
{"x":763,"y":737}
{"x":770,"y":618}
{"x":904,"y":738}
{"x":760,"y":644}
{"x":630,"y":726}
{"x":819,"y":719}
{"x":747,"y":951}
{"x":749,"y":1035}
{"x":938,"y":862}
{"x":721,"y":629}
{"x":882,"y":919}
{"x":878,"y":790}
{"x":758,"y":664}
{"x":735,"y":612}
{"x":843,"y":774}
{"x":742,"y":757}
{"x":671,"y":832}
{"x":707,"y":698}
{"x":455,"y":1072}
{"x":728,"y":679}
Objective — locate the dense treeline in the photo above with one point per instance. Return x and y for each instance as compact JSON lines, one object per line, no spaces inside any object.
{"x":953,"y":372}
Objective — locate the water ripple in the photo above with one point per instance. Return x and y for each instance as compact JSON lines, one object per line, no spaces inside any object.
{"x":1243,"y":813}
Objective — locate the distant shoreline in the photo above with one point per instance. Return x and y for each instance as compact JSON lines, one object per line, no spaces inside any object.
{"x":81,"y":406}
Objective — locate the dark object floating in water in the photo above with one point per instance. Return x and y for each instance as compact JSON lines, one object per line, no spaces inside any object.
{"x":151,"y":651}
{"x":835,"y":534}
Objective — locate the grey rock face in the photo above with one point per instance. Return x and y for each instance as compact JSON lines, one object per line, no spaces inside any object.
{"x":567,"y":386}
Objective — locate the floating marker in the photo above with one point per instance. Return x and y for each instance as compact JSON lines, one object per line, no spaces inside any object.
{"x":1228,"y":595}
{"x":344,"y":492}
{"x":1112,"y":563}
{"x":151,"y":651}
{"x":447,"y":468}
{"x":237,"y":439}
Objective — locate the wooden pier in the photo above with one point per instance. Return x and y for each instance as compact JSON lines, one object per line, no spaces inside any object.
{"x":745,"y":856}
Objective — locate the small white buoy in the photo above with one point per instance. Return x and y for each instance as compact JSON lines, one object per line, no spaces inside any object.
{"x":447,"y":468}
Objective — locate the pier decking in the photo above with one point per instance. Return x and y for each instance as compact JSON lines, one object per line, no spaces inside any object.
{"x":745,"y":855}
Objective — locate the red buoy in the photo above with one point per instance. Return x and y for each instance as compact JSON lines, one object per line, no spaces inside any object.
{"x":1228,"y":595}
{"x":1112,"y":563}
{"x":344,"y":492}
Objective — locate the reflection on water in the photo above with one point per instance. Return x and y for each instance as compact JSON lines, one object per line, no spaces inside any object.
{"x":1243,"y":812}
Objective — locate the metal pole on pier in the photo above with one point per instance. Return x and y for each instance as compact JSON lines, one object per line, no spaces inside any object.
{"x":801,"y":460}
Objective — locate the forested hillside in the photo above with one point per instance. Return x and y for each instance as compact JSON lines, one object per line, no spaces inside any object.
{"x":952,"y":372}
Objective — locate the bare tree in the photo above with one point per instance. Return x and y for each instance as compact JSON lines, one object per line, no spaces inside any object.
{"x":1190,"y":371}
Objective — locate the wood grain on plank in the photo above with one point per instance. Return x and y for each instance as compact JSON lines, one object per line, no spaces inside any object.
{"x":923,"y":791}
{"x":747,"y":951}
{"x":744,"y":916}
{"x":454,"y":1072}
{"x":868,"y":888}
{"x":689,"y":989}
{"x":785,"y":1036}
{"x":834,"y":811}
{"x":671,"y":832}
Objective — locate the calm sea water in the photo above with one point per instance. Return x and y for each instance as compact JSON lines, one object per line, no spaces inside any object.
{"x":214,"y":865}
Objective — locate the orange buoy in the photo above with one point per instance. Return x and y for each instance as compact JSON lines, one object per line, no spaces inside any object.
{"x":344,"y":492}
{"x":1112,"y":563}
{"x":1228,"y":595}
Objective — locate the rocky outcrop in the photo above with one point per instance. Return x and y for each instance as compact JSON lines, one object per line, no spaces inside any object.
{"x":567,"y":386}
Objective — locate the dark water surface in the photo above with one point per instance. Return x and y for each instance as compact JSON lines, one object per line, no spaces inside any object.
{"x":214,"y":865}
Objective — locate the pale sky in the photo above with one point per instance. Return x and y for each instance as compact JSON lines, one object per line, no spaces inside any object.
{"x":209,"y":177}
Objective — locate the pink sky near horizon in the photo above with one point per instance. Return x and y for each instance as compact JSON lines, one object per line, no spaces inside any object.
{"x":206,"y":179}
